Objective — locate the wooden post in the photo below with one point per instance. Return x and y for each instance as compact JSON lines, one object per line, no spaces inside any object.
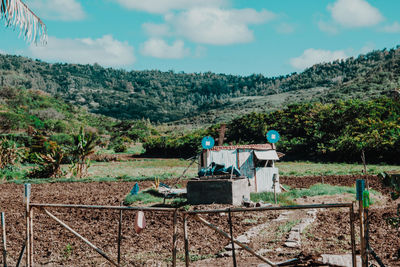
{"x":82,"y":238}
{"x":352,"y":235}
{"x":27,"y":198}
{"x":3,"y":226}
{"x":31,"y":236}
{"x":119,"y":236}
{"x":362,"y":236}
{"x":225,"y":235}
{"x":232,"y":240}
{"x":174,"y":238}
{"x":185,"y":235}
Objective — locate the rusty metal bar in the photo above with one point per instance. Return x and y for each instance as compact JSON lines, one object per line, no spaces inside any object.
{"x":222,"y":233}
{"x":314,"y":206}
{"x":104,"y":255}
{"x":39,"y":205}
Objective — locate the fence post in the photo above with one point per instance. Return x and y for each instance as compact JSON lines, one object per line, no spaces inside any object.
{"x":174,"y":238}
{"x":3,"y":226}
{"x":352,"y":235}
{"x":185,"y":236}
{"x":232,"y":239}
{"x":27,"y":198}
{"x":119,"y":236}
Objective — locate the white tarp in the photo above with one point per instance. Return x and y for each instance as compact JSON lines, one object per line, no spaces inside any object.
{"x":226,"y":157}
{"x":266,"y":155}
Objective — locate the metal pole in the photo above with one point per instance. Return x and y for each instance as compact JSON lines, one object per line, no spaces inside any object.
{"x":232,"y":240}
{"x":185,"y":235}
{"x":174,"y":238}
{"x":73,"y":206}
{"x":298,"y":207}
{"x":3,"y":226}
{"x":21,"y":254}
{"x":82,"y":238}
{"x":119,"y":237}
{"x":352,"y":235}
{"x":366,"y":236}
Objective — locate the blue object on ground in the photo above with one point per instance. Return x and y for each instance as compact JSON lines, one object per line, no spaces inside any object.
{"x":135,"y":189}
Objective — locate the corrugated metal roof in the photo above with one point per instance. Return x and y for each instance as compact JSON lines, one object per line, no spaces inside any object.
{"x":254,"y":147}
{"x":266,"y":155}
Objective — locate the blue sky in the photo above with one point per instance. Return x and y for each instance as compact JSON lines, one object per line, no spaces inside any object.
{"x":224,"y":36}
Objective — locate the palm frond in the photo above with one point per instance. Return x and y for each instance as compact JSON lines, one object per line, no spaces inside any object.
{"x":18,"y":16}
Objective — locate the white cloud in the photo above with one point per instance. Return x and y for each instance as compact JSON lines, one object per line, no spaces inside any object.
{"x":164,"y":6}
{"x":285,"y":28}
{"x":158,"y":48}
{"x":64,"y":10}
{"x":355,"y":13}
{"x":2,"y":52}
{"x":313,"y":56}
{"x":393,"y":28}
{"x":153,"y":29}
{"x":327,"y":27}
{"x":105,"y":51}
{"x":217,"y":26}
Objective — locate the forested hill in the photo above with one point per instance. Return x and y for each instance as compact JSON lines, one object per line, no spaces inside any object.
{"x":169,"y":96}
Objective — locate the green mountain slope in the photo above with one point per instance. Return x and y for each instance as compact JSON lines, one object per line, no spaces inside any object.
{"x":21,"y":108}
{"x":201,"y":97}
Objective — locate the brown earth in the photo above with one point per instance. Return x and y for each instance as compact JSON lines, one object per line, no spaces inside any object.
{"x":55,"y":246}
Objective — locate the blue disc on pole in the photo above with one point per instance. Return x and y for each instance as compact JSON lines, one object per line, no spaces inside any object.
{"x":273,"y":136}
{"x":207,"y":142}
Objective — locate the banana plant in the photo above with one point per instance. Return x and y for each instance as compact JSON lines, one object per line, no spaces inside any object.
{"x":85,"y":144}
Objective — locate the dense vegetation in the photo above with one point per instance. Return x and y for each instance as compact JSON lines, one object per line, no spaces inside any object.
{"x":20,"y":108}
{"x":332,"y":132}
{"x":205,"y":97}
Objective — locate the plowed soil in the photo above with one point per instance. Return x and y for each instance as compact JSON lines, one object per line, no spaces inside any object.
{"x":55,"y":246}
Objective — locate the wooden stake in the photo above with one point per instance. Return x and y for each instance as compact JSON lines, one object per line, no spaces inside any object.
{"x":82,"y":238}
{"x":3,"y":226}
{"x":352,"y":236}
{"x":225,"y":235}
{"x":362,"y":237}
{"x":185,"y":235}
{"x":119,"y":236}
{"x":27,"y":197}
{"x":31,"y":236}
{"x":232,"y":240}
{"x":174,"y":238}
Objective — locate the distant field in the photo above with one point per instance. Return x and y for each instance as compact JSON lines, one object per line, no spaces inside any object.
{"x":311,"y":168}
{"x":148,"y":169}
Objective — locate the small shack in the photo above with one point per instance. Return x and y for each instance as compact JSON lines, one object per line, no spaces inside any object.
{"x":255,"y":162}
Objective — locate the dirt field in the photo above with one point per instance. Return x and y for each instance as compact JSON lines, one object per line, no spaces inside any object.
{"x":54,"y":246}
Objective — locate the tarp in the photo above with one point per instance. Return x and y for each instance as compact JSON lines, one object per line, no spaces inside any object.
{"x":266,"y":155}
